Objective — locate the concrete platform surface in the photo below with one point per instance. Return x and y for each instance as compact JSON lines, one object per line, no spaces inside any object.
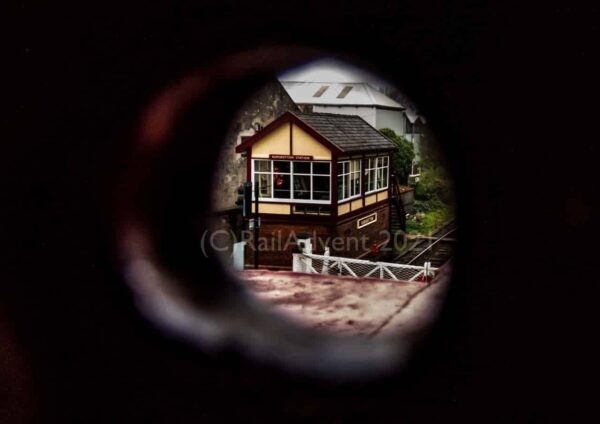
{"x":347,"y":305}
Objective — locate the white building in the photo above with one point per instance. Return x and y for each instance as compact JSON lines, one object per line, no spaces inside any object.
{"x":356,"y":98}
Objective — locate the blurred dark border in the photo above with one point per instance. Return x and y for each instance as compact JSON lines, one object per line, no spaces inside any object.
{"x":513,"y":89}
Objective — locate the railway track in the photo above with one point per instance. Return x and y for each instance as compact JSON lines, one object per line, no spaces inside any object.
{"x":437,"y":249}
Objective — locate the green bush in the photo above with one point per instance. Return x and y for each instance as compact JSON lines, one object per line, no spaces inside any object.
{"x":427,"y":222}
{"x":403,"y":156}
{"x":427,"y":205}
{"x":434,"y":186}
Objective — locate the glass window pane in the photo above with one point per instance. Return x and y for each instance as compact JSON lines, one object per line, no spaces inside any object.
{"x":385,"y":161}
{"x":281,"y":183}
{"x":379,"y":178}
{"x":355,"y":183}
{"x":301,"y":186}
{"x":324,"y":210}
{"x":301,"y":167}
{"x":347,"y":186}
{"x":281,"y":166}
{"x":385,"y":177}
{"x":262,"y":165}
{"x":264,"y":184}
{"x":321,"y":188}
{"x":340,"y":187}
{"x":371,"y":180}
{"x":340,"y":168}
{"x":321,"y":168}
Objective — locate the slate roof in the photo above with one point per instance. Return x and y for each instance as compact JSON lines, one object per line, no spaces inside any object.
{"x":349,"y":133}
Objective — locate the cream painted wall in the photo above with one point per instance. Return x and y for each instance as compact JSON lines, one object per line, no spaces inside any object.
{"x":382,"y":196}
{"x":304,"y":144}
{"x":278,"y":209}
{"x":369,"y":200}
{"x":357,"y":204}
{"x":342,"y":209}
{"x":276,"y":143}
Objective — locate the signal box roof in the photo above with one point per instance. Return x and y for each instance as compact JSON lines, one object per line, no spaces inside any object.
{"x":340,"y":133}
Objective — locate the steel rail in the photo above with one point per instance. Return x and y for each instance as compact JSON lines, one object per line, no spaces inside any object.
{"x":430,"y":246}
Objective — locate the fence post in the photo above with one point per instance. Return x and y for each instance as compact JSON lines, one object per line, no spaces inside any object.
{"x":238,"y":255}
{"x":325,"y":269}
{"x":305,"y":246}
{"x":297,"y":264}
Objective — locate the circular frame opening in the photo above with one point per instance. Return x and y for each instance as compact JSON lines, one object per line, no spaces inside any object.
{"x":164,"y":204}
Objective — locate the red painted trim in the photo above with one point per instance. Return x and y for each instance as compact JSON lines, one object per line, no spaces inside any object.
{"x":381,"y":190}
{"x":270,"y":218}
{"x":348,"y":200}
{"x":311,"y":131}
{"x":381,"y":152}
{"x":333,"y":189}
{"x":363,"y":166}
{"x":285,"y":202}
{"x":298,"y":158}
{"x":291,"y":138}
{"x":389,"y":199}
{"x":287,"y":117}
{"x":249,"y":165}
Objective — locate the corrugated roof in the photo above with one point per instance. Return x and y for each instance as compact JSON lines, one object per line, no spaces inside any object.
{"x":338,"y":94}
{"x":348,"y":132}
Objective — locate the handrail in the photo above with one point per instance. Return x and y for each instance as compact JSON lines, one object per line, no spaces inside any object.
{"x":397,"y":198}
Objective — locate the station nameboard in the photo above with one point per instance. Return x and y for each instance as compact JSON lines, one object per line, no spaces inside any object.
{"x":369,"y":219}
{"x":290,"y":157}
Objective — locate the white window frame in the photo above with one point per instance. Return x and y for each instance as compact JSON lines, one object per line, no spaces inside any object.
{"x":343,"y":174}
{"x":270,"y":173}
{"x":380,"y":163}
{"x":291,"y":174}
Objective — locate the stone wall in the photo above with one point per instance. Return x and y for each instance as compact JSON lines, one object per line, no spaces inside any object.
{"x":262,"y":109}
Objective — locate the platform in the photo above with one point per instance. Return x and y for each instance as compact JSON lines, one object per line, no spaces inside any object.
{"x":348,"y":305}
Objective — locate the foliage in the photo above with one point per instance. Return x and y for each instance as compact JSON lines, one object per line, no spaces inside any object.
{"x":434,"y":201}
{"x":426,"y":206}
{"x":403,"y":156}
{"x":430,"y":155}
{"x":434,"y":186}
{"x":434,"y":193}
{"x":427,"y":222}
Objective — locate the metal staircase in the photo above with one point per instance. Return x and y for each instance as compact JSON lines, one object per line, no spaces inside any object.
{"x":397,"y":212}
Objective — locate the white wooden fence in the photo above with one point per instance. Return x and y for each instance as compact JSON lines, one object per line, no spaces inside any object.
{"x":331,"y":265}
